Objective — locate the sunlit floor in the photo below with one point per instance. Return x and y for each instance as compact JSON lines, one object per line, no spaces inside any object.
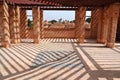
{"x":60,"y":59}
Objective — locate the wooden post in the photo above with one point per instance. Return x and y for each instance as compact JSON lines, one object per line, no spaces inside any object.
{"x":100,"y":26}
{"x":17,"y":15}
{"x":36,"y":24}
{"x":112,"y":24}
{"x":80,"y":24}
{"x":14,"y":24}
{"x":4,"y":24}
{"x":13,"y":35}
{"x":104,"y":28}
{"x":23,"y":24}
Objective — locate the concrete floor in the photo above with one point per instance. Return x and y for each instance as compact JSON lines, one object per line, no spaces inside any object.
{"x":60,"y":59}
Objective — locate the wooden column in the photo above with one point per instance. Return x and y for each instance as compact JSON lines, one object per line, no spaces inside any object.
{"x":112,"y":24}
{"x":104,"y":28}
{"x":36,"y":24}
{"x":4,"y":24}
{"x":13,"y":35}
{"x":17,"y":15}
{"x":100,"y":26}
{"x":80,"y":24}
{"x":14,"y":24}
{"x":23,"y":24}
{"x":41,"y":24}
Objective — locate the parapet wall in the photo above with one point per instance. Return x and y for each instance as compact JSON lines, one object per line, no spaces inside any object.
{"x":55,"y":33}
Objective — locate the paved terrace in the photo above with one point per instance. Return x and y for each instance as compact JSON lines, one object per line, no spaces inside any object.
{"x":60,"y":59}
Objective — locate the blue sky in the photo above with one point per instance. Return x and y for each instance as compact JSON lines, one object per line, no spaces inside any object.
{"x":57,"y":14}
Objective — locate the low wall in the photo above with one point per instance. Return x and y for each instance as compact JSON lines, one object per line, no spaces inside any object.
{"x":55,"y":33}
{"x":59,"y":33}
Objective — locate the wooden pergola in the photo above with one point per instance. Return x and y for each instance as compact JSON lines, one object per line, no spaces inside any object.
{"x":13,"y":18}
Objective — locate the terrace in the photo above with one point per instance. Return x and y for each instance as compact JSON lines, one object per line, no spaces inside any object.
{"x":77,"y":53}
{"x":60,"y":59}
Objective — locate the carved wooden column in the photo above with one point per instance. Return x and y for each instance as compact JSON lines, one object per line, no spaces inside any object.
{"x":14,"y":24}
{"x":41,"y":24}
{"x":23,"y":23}
{"x":17,"y":15}
{"x":112,"y":24}
{"x":36,"y":24}
{"x":4,"y":24}
{"x":80,"y":24}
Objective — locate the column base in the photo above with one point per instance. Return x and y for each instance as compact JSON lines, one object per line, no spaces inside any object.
{"x":110,"y":45}
{"x":36,"y":41}
{"x":102,"y":41}
{"x":81,"y":41}
{"x":5,"y":45}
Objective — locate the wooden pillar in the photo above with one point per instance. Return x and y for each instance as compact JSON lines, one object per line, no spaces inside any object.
{"x":23,"y":24}
{"x":100,"y":26}
{"x":36,"y":24}
{"x":4,"y":24}
{"x":14,"y":24}
{"x":112,"y":24}
{"x":13,"y":35}
{"x":80,"y":24}
{"x":41,"y":24}
{"x":104,"y":27}
{"x":17,"y":15}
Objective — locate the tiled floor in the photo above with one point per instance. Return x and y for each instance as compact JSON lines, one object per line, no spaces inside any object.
{"x":60,"y":59}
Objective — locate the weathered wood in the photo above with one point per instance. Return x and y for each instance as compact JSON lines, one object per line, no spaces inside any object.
{"x":36,"y":24}
{"x":80,"y":24}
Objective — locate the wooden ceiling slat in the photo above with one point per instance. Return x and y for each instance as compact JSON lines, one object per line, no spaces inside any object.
{"x":61,"y":3}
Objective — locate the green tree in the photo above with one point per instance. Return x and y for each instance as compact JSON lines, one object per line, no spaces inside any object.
{"x":73,"y":21}
{"x":88,"y":20}
{"x":30,"y":25}
{"x":52,"y":21}
{"x":60,"y":20}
